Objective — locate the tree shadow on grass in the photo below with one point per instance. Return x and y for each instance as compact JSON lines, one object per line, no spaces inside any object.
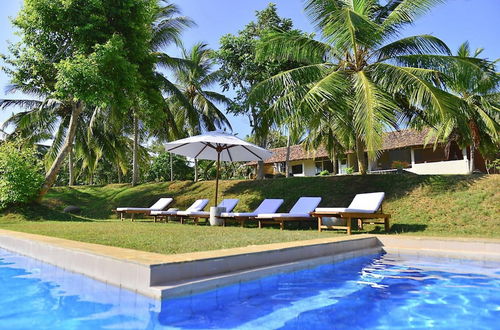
{"x":38,"y":212}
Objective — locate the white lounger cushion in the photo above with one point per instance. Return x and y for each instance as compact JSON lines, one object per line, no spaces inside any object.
{"x":283,"y":215}
{"x":229,"y":204}
{"x":362,"y":203}
{"x":198,"y":205}
{"x":301,"y":209}
{"x":161,"y":204}
{"x":267,"y":206}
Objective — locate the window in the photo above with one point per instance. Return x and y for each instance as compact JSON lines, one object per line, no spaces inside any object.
{"x":328,"y":165}
{"x":297,"y":169}
{"x":319,"y":167}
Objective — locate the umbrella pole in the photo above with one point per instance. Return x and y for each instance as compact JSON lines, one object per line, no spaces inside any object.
{"x":217,"y":178}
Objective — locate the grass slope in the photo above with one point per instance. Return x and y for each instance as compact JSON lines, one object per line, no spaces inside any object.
{"x":466,"y":206}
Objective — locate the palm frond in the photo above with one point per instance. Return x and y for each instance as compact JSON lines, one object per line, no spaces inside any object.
{"x":405,"y":12}
{"x":291,"y":46}
{"x":414,"y":45}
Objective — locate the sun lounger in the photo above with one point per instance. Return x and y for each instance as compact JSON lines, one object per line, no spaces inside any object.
{"x":229,"y":204}
{"x":366,"y":208}
{"x":198,"y":205}
{"x":299,"y":212}
{"x":267,"y":206}
{"x":161,"y":204}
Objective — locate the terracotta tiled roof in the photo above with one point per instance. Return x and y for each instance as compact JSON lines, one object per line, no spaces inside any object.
{"x":392,"y":140}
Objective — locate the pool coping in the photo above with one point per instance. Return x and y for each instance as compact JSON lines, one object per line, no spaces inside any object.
{"x":159,"y":276}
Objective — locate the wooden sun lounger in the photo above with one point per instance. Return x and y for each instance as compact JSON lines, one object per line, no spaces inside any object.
{"x":267,"y":206}
{"x":300,"y":212}
{"x":161,"y":204}
{"x":366,"y":208}
{"x":229,"y":204}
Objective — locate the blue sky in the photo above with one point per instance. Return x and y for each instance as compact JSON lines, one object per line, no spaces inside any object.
{"x":454,"y":22}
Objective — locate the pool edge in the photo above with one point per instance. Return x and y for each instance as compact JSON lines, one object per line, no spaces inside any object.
{"x":159,"y":276}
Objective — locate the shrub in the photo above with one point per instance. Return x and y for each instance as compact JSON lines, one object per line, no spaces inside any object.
{"x":21,"y":174}
{"x":400,"y":164}
{"x":324,"y":173}
{"x":349,"y":170}
{"x":279,"y":175}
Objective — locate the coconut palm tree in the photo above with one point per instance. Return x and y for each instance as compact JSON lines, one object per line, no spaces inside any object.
{"x":194,"y":80}
{"x":96,"y":134}
{"x":477,"y":123}
{"x":358,"y":69}
{"x":167,"y":29}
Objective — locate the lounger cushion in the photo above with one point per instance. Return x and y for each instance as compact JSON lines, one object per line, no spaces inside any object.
{"x":193,"y":213}
{"x":241,"y":214}
{"x":305,"y":205}
{"x":362,"y":203}
{"x":164,"y":212}
{"x":135,"y":209}
{"x":229,"y":204}
{"x":267,"y":206}
{"x":161,"y":204}
{"x":283,"y":215}
{"x":369,"y":202}
{"x":198,"y":205}
{"x":341,"y":210}
{"x":301,"y":209}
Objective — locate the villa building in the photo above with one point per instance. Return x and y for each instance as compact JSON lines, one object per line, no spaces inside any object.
{"x":407,"y":146}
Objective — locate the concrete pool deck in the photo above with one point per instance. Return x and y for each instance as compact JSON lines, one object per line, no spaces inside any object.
{"x":159,"y":276}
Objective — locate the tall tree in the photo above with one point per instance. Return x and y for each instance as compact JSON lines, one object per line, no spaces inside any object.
{"x":241,"y":70}
{"x":477,"y":123}
{"x":359,"y":69}
{"x":194,"y":80}
{"x":167,"y":28}
{"x":84,"y":53}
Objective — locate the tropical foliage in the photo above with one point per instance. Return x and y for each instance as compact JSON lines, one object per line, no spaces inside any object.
{"x":105,"y":90}
{"x":359,"y":76}
{"x":21,"y":174}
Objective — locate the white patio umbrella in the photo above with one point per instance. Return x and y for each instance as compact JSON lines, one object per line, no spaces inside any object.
{"x":218,"y":146}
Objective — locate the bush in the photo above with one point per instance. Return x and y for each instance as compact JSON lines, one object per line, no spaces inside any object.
{"x":279,"y":175}
{"x":21,"y":174}
{"x":400,"y":164}
{"x":324,"y":173}
{"x":349,"y":170}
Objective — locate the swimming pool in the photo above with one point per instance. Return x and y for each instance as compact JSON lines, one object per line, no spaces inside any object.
{"x":377,"y":291}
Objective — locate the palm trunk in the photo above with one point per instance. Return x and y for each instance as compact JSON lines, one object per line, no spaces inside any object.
{"x":471,"y":161}
{"x":335,"y":164}
{"x":195,"y":170}
{"x":51,"y":175}
{"x":475,"y":142}
{"x":119,"y":172}
{"x":71,"y":169}
{"x":135,"y":151}
{"x":260,"y":164}
{"x":287,"y":161}
{"x":360,"y":154}
{"x":171,"y":168}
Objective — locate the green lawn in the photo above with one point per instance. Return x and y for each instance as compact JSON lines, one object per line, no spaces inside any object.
{"x":461,"y":206}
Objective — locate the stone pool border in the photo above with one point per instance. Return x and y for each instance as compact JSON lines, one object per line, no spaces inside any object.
{"x":159,"y":276}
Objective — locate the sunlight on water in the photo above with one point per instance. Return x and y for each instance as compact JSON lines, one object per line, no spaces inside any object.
{"x":378,"y":291}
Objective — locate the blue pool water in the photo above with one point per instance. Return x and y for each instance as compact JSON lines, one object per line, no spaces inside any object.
{"x":377,"y":291}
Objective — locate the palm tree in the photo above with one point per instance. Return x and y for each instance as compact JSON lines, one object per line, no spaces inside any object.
{"x":96,"y":134}
{"x":477,"y":124}
{"x":356,"y":72}
{"x":193,"y":80}
{"x":167,"y":30}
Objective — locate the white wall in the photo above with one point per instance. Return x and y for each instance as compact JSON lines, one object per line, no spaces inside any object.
{"x":308,"y":167}
{"x":446,"y":167}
